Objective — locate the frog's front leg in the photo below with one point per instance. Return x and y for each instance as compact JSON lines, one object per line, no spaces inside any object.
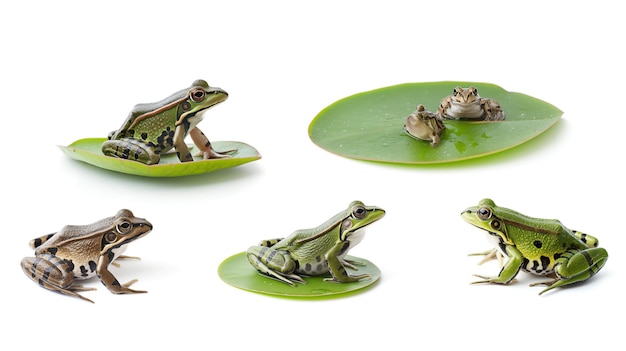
{"x":52,"y":273}
{"x":492,"y":110}
{"x":509,"y":270}
{"x":574,"y":267}
{"x":273,"y":263}
{"x":203,"y":143}
{"x":336,"y":266}
{"x":493,"y":254}
{"x":182,"y":151}
{"x":444,"y":105}
{"x":108,"y":279}
{"x":352,"y":264}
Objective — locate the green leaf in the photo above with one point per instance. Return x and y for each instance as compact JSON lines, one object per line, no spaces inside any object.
{"x":237,"y":271}
{"x":89,"y":151}
{"x":369,"y":125}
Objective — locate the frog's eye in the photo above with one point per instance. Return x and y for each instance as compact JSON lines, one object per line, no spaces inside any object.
{"x":123,"y":227}
{"x":359,"y":212}
{"x":110,"y":237}
{"x":484,"y":213}
{"x":197,"y":95}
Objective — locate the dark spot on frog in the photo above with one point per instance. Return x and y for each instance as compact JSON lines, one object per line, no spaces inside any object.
{"x":557,"y":256}
{"x":52,"y":250}
{"x":83,"y":271}
{"x":70,"y":265}
{"x":583,"y":237}
{"x":166,"y":138}
{"x":345,"y":248}
{"x":144,"y":135}
{"x":92,"y":266}
{"x":535,"y":267}
{"x":307,"y":267}
{"x":186,"y":124}
{"x":545,"y":262}
{"x":115,"y":282}
{"x":538,"y":244}
{"x":318,"y":259}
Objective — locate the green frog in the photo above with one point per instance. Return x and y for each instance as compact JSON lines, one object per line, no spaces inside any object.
{"x":153,"y":129}
{"x":79,"y":252}
{"x":317,"y":251}
{"x":535,"y":245}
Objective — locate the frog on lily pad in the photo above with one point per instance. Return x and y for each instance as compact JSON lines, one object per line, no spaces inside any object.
{"x":153,"y":129}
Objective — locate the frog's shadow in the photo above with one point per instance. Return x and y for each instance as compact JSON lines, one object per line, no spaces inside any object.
{"x":220,"y":176}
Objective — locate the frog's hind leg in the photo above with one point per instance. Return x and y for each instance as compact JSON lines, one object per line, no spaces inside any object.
{"x":274,"y":264}
{"x":53,"y":273}
{"x":574,"y":267}
{"x":131,"y":149}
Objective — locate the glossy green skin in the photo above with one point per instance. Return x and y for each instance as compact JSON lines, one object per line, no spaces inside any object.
{"x":316,"y":251}
{"x":539,"y":246}
{"x":155,"y":128}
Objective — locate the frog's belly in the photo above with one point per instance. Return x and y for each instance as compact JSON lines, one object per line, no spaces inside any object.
{"x":85,"y":268}
{"x":541,"y":266}
{"x":457,"y":110}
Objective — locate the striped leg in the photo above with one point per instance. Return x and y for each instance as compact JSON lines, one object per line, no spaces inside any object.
{"x":273,"y":263}
{"x":577,"y":266}
{"x":52,"y":273}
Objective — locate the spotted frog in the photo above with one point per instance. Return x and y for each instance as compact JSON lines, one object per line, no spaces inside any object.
{"x":539,"y":246}
{"x":317,"y":251}
{"x":152,"y":129}
{"x":466,"y":104}
{"x":79,"y":252}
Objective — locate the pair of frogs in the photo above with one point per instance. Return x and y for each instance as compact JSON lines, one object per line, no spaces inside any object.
{"x":539,"y":246}
{"x":462,"y":104}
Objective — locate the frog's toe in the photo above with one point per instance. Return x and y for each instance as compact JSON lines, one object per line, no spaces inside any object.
{"x":211,"y":154}
{"x":492,"y":280}
{"x":349,"y":279}
{"x":80,"y":288}
{"x":72,"y":292}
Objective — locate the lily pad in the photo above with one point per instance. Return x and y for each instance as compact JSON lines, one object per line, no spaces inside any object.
{"x":89,"y":150}
{"x":368,"y":126}
{"x":237,"y":271}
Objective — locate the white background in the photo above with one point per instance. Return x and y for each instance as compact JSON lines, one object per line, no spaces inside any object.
{"x":72,"y":69}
